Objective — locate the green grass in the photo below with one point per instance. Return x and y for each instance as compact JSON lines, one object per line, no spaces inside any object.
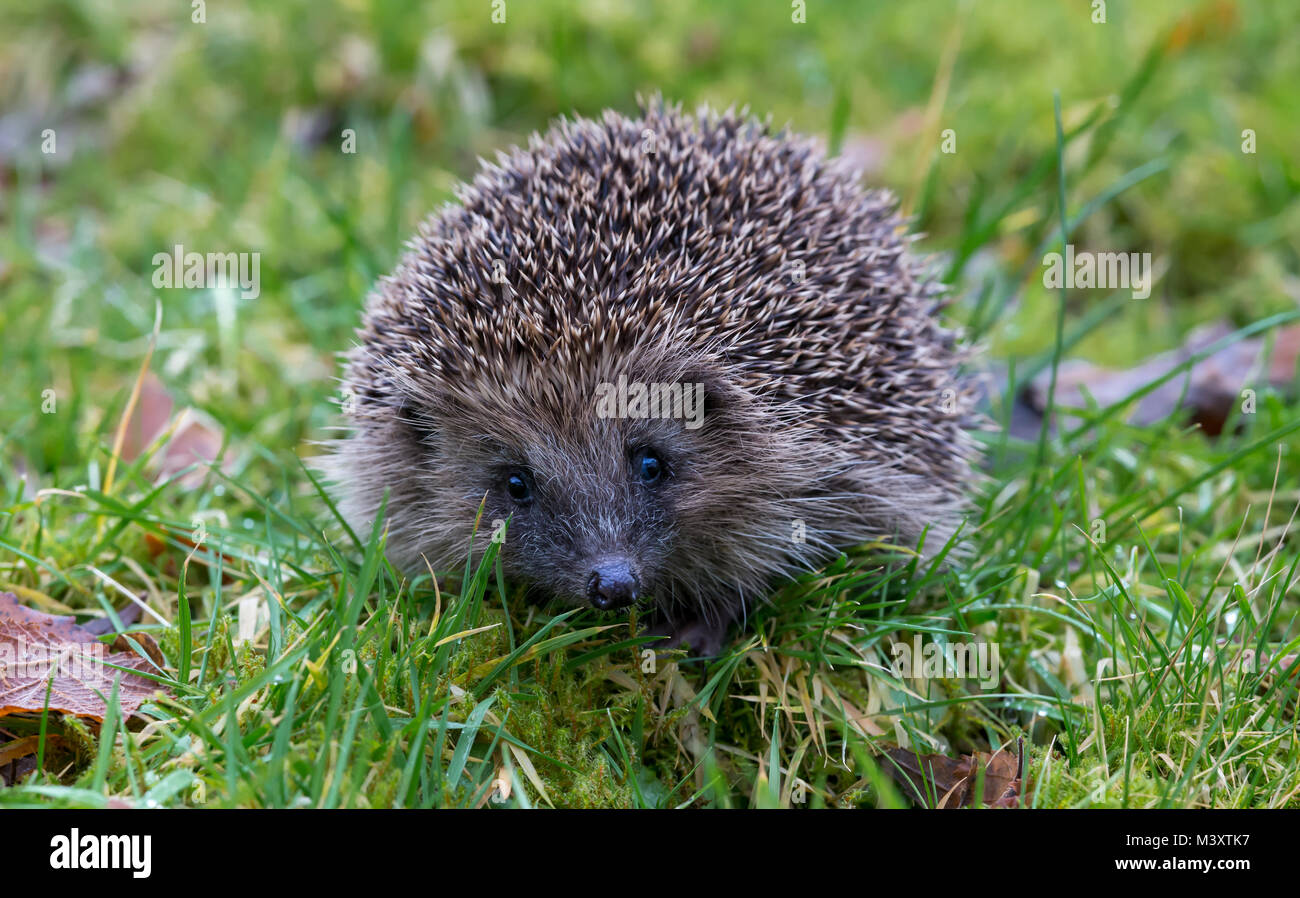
{"x":1122,"y":654}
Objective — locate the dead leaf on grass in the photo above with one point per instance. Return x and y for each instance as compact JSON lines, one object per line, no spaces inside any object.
{"x":1206,"y":392}
{"x":195,"y":439}
{"x":40,"y":652}
{"x":937,"y":781}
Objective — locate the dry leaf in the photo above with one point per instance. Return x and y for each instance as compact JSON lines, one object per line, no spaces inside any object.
{"x":937,"y":781}
{"x":127,"y":616}
{"x":1207,"y":391}
{"x":194,"y":439}
{"x":18,"y":755}
{"x":16,"y":749}
{"x":35,"y":645}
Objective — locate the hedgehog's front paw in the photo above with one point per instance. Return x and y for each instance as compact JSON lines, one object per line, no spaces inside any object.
{"x":705,"y":637}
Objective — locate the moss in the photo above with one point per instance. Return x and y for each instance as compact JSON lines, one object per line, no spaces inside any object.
{"x":567,"y":736}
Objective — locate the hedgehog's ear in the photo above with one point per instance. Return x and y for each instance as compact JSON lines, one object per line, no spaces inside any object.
{"x":720,"y":393}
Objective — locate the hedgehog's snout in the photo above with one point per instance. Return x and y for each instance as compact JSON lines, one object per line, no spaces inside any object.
{"x":612,"y":584}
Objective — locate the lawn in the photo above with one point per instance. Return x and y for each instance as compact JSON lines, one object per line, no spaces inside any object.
{"x":1141,"y":583}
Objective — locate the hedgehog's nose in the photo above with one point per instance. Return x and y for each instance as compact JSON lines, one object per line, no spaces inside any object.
{"x":611,"y":585}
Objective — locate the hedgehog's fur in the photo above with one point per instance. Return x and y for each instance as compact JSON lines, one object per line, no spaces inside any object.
{"x":665,"y":248}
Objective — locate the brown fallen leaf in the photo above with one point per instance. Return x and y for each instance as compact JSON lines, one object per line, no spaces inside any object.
{"x":18,"y":748}
{"x":35,"y":646}
{"x":194,"y":437}
{"x":146,"y":643}
{"x":1207,"y":391}
{"x":925,"y":778}
{"x":18,"y":755}
{"x":937,"y":781}
{"x":127,"y":616}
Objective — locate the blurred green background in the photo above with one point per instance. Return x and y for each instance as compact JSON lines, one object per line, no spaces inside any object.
{"x":226,"y":136}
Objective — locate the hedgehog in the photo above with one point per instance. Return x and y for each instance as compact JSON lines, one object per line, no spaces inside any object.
{"x":680,"y":356}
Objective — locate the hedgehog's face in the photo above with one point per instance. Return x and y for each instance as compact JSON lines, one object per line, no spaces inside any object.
{"x":593,"y":515}
{"x":599,"y":506}
{"x":603,"y":509}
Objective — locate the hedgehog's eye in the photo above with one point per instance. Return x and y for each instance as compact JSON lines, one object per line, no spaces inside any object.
{"x":649,"y":466}
{"x":517,"y":487}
